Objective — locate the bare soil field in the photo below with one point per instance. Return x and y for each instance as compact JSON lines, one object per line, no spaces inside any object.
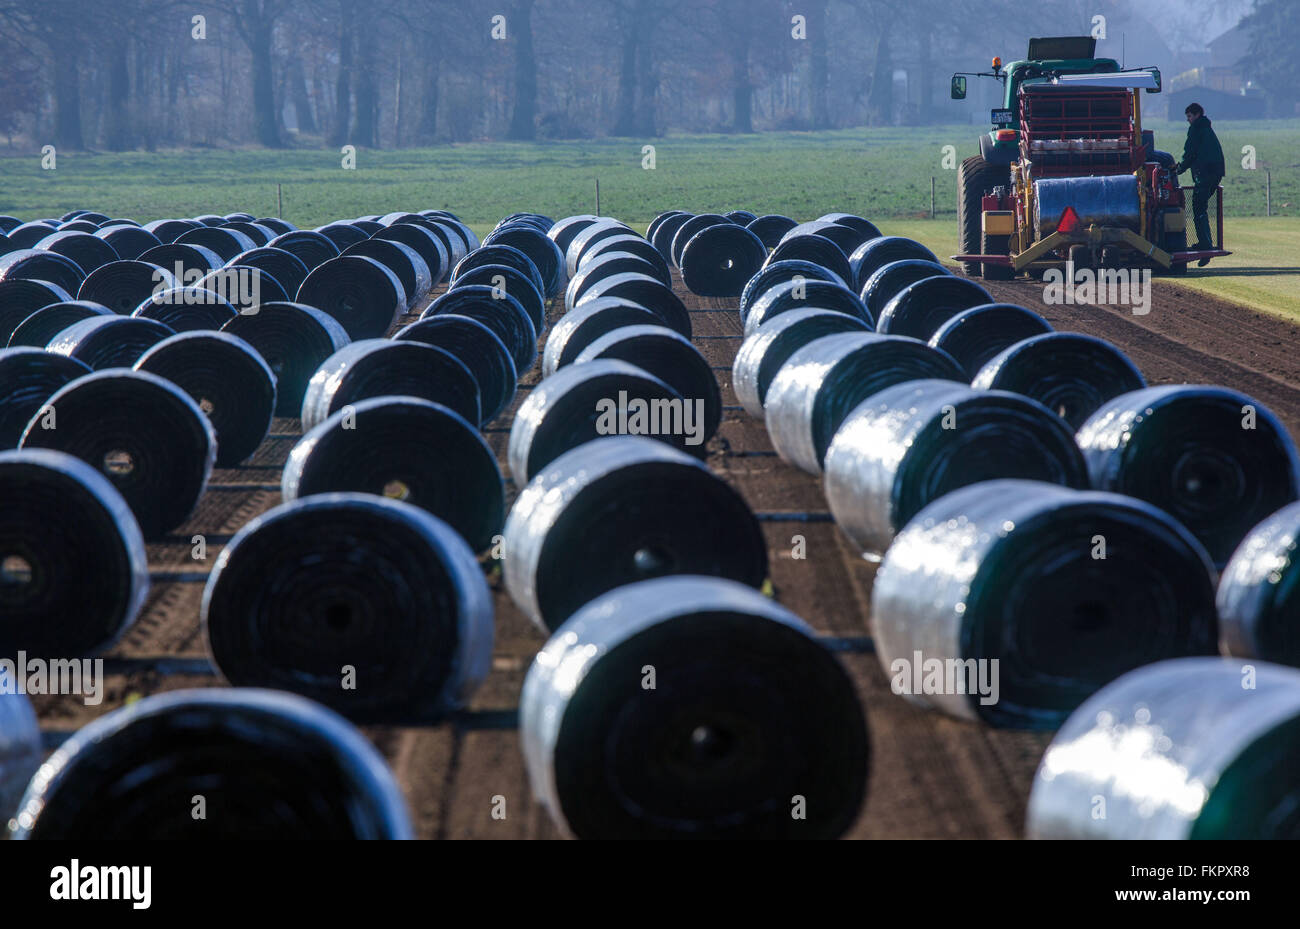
{"x":931,"y":776}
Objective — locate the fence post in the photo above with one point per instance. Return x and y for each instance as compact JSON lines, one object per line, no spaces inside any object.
{"x":1268,"y":192}
{"x":598,"y":213}
{"x":932,"y":196}
{"x":279,"y":201}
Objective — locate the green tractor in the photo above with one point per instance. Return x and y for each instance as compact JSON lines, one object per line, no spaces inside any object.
{"x":1066,"y":173}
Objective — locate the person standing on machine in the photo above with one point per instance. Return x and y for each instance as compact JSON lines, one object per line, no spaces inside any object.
{"x":1203,"y":156}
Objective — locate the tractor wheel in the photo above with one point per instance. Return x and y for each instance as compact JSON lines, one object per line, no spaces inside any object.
{"x":975,"y":178}
{"x":996,"y":245}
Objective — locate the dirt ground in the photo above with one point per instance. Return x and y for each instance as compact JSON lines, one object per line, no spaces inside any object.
{"x":932,"y":777}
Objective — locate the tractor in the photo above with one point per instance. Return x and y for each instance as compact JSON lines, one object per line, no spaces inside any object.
{"x":1067,"y":174}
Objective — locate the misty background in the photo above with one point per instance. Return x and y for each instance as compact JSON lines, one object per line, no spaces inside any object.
{"x":122,"y":75}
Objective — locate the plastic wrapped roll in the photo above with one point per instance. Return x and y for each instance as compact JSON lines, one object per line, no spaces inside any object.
{"x":500,"y":312}
{"x":874,"y":254}
{"x":210,"y":219}
{"x":584,"y":402}
{"x":620,"y":510}
{"x":239,"y":217}
{"x":268,"y":765}
{"x":225,"y":242}
{"x":1066,"y":589}
{"x":602,"y":228}
{"x":867,"y":230}
{"x":260,"y":235}
{"x":169,"y":230}
{"x":813,"y":248}
{"x":846,"y":238}
{"x":910,"y":444}
{"x":229,"y":381}
{"x":742,"y":217}
{"x":583,"y":325}
{"x":1212,"y":458}
{"x":405,"y":263}
{"x":244,"y":287}
{"x":19,"y":299}
{"x":294,"y":340}
{"x":920,"y":309}
{"x":276,"y":224}
{"x":286,"y":267}
{"x":647,"y":292}
{"x":607,"y":265}
{"x":9,"y":223}
{"x":688,"y":230}
{"x":73,"y":568}
{"x":109,"y":341}
{"x":1181,"y":749}
{"x":37,"y":330}
{"x":130,"y":242}
{"x":662,"y":236}
{"x":383,"y":448}
{"x":384,"y":368}
{"x":566,"y":230}
{"x":312,"y":248}
{"x":541,"y":251}
{"x":1259,"y":592}
{"x":506,"y":255}
{"x":28,"y":264}
{"x":1069,"y":373}
{"x":805,"y":294}
{"x":432,"y":243}
{"x":976,"y":336}
{"x":461,"y":239}
{"x":29,"y":377}
{"x":187,"y":309}
{"x":762,"y":354}
{"x":659,"y":220}
{"x":141,"y":432}
{"x":352,"y":580}
{"x":718,"y":260}
{"x":748,"y":712}
{"x":88,"y":251}
{"x":478,"y":347}
{"x":77,"y":226}
{"x":363,"y":295}
{"x":771,"y":228}
{"x":629,"y":243}
{"x":187,"y":263}
{"x":889,"y":279}
{"x":20,"y":750}
{"x":28,"y":234}
{"x":780,"y":273}
{"x":343,"y":235}
{"x":124,"y":285}
{"x":368,"y":226}
{"x":671,"y":358}
{"x":821,"y":383}
{"x":504,"y":279}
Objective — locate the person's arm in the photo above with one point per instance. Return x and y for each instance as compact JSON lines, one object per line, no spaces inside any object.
{"x":1190,"y":148}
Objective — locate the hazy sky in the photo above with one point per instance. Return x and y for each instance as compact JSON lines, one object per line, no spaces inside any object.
{"x":1188,"y":24}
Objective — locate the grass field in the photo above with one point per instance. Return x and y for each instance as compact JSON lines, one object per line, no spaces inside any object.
{"x":883,"y":174}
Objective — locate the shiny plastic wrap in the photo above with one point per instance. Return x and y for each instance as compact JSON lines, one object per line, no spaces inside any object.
{"x":814,"y":248}
{"x":974,"y":336}
{"x":65,"y":593}
{"x":501,"y":254}
{"x":109,"y":341}
{"x":582,"y":325}
{"x":140,"y":431}
{"x":405,"y":262}
{"x":779,"y":273}
{"x":919,"y":309}
{"x":383,"y":447}
{"x":910,"y":444}
{"x":822,"y":382}
{"x":187,"y":309}
{"x":506,"y":280}
{"x":362,"y":294}
{"x":497,"y":310}
{"x":28,"y":264}
{"x":1212,"y":458}
{"x":619,"y":510}
{"x":267,"y":764}
{"x":1064,"y":589}
{"x":718,"y":260}
{"x":229,"y":381}
{"x":294,"y":340}
{"x":541,"y":251}
{"x":19,"y":299}
{"x":29,"y":377}
{"x":649,"y":293}
{"x":1193,"y":748}
{"x":37,"y":330}
{"x":763,"y":353}
{"x":88,"y":251}
{"x":311,"y":248}
{"x":692,"y":707}
{"x":478,"y":347}
{"x":887,"y":280}
{"x":1069,"y":373}
{"x":1259,"y":592}
{"x":771,"y":228}
{"x":20,"y":751}
{"x":805,"y":295}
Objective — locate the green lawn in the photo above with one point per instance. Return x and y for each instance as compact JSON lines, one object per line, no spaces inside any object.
{"x":883,"y":174}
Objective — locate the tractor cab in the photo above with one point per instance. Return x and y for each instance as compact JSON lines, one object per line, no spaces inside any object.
{"x":1068,"y":143}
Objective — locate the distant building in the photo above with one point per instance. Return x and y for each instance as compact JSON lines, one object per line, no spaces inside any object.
{"x":1221,"y":86}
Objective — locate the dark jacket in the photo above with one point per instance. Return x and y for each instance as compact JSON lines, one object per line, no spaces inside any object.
{"x":1202,"y":152}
